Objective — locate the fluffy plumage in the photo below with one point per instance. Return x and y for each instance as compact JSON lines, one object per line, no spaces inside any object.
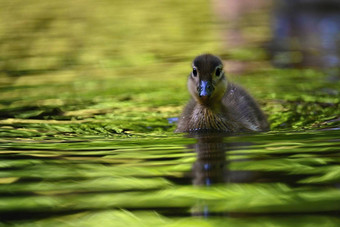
{"x":216,"y":104}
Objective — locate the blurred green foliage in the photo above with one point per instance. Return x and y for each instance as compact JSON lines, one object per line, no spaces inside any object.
{"x":111,"y":69}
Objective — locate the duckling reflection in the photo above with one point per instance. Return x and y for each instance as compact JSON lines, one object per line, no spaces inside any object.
{"x":216,"y":104}
{"x":211,"y":167}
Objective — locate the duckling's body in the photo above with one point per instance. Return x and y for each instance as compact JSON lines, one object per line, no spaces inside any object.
{"x":216,"y":104}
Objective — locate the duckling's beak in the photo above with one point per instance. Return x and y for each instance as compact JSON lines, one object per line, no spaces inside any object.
{"x":205,"y":89}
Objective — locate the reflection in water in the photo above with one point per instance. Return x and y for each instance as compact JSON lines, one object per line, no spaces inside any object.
{"x":306,"y":33}
{"x":287,"y":172}
{"x":212,"y":167}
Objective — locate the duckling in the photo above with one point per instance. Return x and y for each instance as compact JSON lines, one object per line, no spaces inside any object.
{"x":216,"y":104}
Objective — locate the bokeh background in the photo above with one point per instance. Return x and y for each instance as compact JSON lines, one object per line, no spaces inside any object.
{"x":64,"y":60}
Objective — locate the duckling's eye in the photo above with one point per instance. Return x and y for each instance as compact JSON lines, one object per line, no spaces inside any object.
{"x":218,"y":71}
{"x":194,"y":72}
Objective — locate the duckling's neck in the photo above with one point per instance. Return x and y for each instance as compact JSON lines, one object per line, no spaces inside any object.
{"x":207,"y":118}
{"x":214,"y":106}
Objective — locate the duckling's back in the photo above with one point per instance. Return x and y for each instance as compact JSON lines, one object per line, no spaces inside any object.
{"x":244,"y":109}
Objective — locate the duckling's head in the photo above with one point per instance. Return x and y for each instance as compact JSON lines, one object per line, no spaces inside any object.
{"x":207,"y":83}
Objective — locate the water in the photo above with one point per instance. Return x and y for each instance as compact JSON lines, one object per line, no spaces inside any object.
{"x":88,"y":109}
{"x":271,"y":178}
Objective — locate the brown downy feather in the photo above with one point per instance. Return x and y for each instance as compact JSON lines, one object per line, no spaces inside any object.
{"x":216,"y":104}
